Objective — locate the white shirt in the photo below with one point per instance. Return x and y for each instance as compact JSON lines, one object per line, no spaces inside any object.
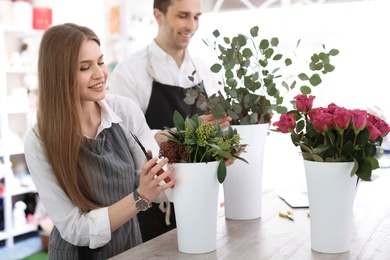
{"x":133,"y":76}
{"x":91,"y":229}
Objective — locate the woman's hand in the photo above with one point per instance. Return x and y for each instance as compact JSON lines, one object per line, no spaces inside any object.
{"x":149,"y":187}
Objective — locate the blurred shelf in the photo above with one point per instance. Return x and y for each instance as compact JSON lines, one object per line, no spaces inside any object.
{"x":19,"y":191}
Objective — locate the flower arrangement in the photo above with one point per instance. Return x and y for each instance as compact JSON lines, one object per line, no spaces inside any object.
{"x":256,"y":76}
{"x":335,"y":134}
{"x":193,"y":141}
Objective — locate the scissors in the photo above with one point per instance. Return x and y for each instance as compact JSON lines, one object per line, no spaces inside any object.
{"x":148,"y":157}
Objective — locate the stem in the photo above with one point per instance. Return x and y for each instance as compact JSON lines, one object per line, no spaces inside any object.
{"x":341,"y":144}
{"x":196,"y":153}
{"x":204,"y":154}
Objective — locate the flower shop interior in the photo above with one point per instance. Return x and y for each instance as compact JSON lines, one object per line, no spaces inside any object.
{"x":357,"y":28}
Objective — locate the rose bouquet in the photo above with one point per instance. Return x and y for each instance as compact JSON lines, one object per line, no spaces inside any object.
{"x":335,"y":134}
{"x":193,"y":141}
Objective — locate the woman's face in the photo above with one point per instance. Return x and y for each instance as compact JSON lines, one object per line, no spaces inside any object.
{"x":92,"y":73}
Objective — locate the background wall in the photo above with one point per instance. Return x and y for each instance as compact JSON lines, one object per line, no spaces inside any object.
{"x":86,"y":12}
{"x":359,"y":30}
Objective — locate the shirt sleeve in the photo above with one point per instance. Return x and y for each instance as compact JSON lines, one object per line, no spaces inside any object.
{"x":130,"y":78}
{"x":121,"y":82}
{"x":210,"y":79}
{"x":91,"y":229}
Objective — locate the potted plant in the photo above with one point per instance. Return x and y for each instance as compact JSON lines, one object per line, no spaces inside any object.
{"x":338,"y":146}
{"x":198,"y":151}
{"x":335,"y":134}
{"x":193,"y":141}
{"x":256,"y":76}
{"x":253,"y":79}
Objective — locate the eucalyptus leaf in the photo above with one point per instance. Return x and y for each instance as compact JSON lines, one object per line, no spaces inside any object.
{"x":251,"y":64}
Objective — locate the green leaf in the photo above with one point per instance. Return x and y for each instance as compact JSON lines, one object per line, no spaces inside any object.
{"x":218,"y":112}
{"x":254,"y":31}
{"x":334,"y":52}
{"x":178,"y":120}
{"x":307,"y":156}
{"x":355,"y":167}
{"x":364,"y":170}
{"x":374,"y":163}
{"x":317,"y":158}
{"x":329,"y":67}
{"x":241,"y":40}
{"x":192,"y":124}
{"x":305,"y":90}
{"x":268,"y":53}
{"x":216,"y":34}
{"x":247,"y":53}
{"x":221,"y":172}
{"x":189,"y":100}
{"x":264,"y":44}
{"x":232,"y":114}
{"x":216,"y":68}
{"x":278,"y":57}
{"x":303,"y":76}
{"x":315,"y":80}
{"x":196,"y":119}
{"x":201,"y":104}
{"x":274,"y":42}
{"x":298,"y":42}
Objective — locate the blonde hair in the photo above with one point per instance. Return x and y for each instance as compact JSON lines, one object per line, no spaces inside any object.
{"x":59,"y":120}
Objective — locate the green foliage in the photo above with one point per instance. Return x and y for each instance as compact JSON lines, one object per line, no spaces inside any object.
{"x":253,"y":80}
{"x":202,"y":142}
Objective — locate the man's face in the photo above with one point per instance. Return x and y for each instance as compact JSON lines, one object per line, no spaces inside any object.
{"x":180,"y":23}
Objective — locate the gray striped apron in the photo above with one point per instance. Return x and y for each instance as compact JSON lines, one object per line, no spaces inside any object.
{"x":111,"y":168}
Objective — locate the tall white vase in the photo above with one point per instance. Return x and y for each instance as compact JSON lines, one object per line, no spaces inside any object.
{"x":195,"y":197}
{"x":243,"y":184}
{"x":331,"y":192}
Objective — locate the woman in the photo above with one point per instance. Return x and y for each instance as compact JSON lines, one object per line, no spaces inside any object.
{"x":81,"y":155}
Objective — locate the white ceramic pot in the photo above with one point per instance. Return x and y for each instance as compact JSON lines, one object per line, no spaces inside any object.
{"x":331,"y":192}
{"x":195,"y":198}
{"x":243,"y":184}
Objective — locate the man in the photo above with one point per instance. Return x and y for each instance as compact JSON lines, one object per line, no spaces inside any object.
{"x":156,"y":78}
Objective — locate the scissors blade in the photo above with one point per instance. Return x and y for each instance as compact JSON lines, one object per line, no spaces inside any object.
{"x":142,"y":147}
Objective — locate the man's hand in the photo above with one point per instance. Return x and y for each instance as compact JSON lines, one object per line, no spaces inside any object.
{"x":223,"y":122}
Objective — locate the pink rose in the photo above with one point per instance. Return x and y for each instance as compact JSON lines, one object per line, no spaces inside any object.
{"x":382,"y":126}
{"x":332,"y":108}
{"x":341,"y":119}
{"x":322,"y":122}
{"x":374,"y":132}
{"x":304,"y":103}
{"x":286,"y":123}
{"x":316,"y":111}
{"x":358,"y":119}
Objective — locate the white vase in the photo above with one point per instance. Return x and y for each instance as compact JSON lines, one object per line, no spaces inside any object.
{"x":331,"y":193}
{"x":195,"y":197}
{"x":243,"y":184}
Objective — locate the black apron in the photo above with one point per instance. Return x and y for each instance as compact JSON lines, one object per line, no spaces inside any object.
{"x":164,"y":100}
